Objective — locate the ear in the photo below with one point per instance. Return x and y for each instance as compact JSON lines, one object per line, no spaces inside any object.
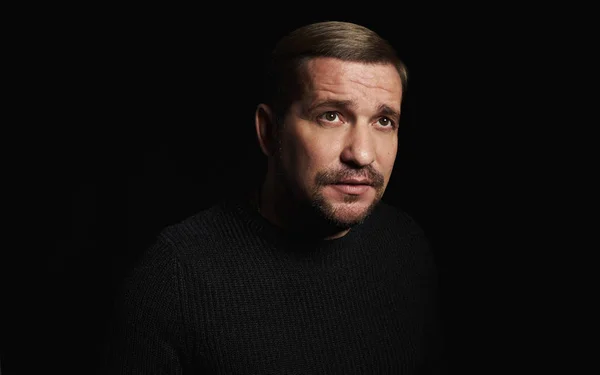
{"x":264,"y":120}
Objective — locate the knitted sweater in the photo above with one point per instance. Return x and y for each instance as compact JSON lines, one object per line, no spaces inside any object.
{"x":226,"y":292}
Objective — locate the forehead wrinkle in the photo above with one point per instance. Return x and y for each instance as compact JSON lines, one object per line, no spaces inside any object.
{"x":333,"y":84}
{"x":352,"y":102}
{"x":318,"y":75}
{"x":329,"y":95}
{"x":374,"y":86}
{"x":325,"y":84}
{"x":322,"y":94}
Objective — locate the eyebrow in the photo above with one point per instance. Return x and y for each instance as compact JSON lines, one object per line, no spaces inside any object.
{"x":330,"y":103}
{"x":389,"y":111}
{"x":383,"y":109}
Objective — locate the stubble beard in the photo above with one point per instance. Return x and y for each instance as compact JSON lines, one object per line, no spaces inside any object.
{"x":313,"y":209}
{"x":332,"y":216}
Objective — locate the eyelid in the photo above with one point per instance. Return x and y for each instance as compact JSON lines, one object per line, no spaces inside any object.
{"x":394,"y":123}
{"x":338,"y":114}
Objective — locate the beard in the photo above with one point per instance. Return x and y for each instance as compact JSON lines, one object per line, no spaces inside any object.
{"x":311,"y":208}
{"x":331,"y":214}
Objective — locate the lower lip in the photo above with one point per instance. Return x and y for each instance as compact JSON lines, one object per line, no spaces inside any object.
{"x":351,"y":189}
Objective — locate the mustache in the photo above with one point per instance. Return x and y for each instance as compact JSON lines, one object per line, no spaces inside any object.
{"x":370,"y":174}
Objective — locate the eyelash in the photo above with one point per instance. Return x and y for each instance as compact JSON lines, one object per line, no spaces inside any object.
{"x":393,"y":123}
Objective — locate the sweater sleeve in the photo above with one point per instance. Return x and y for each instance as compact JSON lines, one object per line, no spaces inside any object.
{"x":148,"y":335}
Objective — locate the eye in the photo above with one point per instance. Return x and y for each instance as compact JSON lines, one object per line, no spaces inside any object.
{"x":329,"y":116}
{"x":386,"y":122}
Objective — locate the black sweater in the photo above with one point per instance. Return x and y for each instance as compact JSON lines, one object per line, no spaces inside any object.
{"x":226,"y":292}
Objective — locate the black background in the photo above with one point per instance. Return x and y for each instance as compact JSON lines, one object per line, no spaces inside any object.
{"x":137,"y":118}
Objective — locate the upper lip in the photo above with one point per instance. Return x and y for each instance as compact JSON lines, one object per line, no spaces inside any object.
{"x":355,"y":181}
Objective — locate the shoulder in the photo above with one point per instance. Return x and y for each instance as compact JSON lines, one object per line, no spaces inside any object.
{"x":392,"y":224}
{"x":201,"y":224}
{"x":396,"y":226}
{"x":206,"y":232}
{"x":396,"y":219}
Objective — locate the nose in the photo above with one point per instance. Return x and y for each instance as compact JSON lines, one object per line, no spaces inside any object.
{"x":359,"y":150}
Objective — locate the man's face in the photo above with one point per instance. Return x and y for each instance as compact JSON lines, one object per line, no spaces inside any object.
{"x":338,"y":142}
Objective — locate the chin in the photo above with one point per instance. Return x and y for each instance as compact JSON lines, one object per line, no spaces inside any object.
{"x":345,"y":215}
{"x":341,"y":211}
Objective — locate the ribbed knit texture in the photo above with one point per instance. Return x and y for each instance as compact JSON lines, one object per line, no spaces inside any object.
{"x":226,"y":292}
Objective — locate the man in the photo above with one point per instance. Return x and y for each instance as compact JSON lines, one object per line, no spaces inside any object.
{"x":311,"y":273}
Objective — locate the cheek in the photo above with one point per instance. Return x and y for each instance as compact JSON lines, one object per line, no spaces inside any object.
{"x":296,"y":156}
{"x":320,"y":151}
{"x":388,"y":157}
{"x":309,"y":153}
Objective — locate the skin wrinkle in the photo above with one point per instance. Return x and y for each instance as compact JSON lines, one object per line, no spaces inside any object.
{"x":363,"y":79}
{"x":376,"y":86}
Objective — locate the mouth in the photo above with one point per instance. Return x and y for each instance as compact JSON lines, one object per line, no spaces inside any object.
{"x":352,"y":187}
{"x":355,"y":182}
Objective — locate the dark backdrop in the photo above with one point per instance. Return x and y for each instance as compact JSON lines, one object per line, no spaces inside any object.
{"x":145,"y":117}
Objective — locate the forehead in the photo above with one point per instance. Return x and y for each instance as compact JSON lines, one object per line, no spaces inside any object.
{"x":328,"y":77}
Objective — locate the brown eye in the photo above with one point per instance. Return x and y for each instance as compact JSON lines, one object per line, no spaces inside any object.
{"x":385,"y":121}
{"x":330,"y":116}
